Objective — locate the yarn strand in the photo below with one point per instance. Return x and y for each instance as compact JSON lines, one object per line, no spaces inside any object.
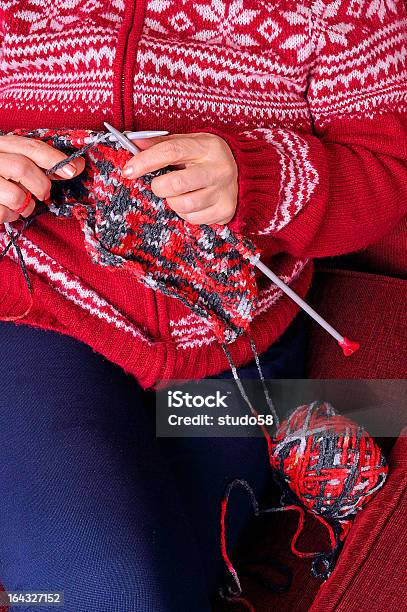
{"x":99,"y":138}
{"x":247,"y":400}
{"x":13,"y":242}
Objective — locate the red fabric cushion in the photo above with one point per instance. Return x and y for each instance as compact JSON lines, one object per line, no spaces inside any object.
{"x":368,"y":308}
{"x":271,"y":537}
{"x":370,"y":573}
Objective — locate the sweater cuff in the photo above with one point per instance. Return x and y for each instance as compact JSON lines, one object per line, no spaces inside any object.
{"x":259,"y":182}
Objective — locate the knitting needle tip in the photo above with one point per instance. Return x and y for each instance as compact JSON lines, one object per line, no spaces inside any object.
{"x":124,"y":141}
{"x":348,"y":346}
{"x":143,"y":135}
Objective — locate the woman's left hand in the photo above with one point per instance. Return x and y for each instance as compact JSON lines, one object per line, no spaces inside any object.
{"x":203,"y":188}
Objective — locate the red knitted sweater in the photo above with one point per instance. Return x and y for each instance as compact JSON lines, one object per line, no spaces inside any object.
{"x":311,"y":97}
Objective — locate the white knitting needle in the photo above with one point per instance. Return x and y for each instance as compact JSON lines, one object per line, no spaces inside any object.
{"x":348,"y":346}
{"x":143,"y":135}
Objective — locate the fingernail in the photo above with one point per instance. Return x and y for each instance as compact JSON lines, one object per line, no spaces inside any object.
{"x":128,"y":171}
{"x":69,"y":170}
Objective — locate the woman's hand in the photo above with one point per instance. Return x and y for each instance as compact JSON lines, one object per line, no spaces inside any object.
{"x":22,"y":161}
{"x":203,"y":189}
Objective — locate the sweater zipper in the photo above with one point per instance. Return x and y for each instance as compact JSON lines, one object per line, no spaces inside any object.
{"x":122,"y":91}
{"x":155,"y":307}
{"x":129,"y":38}
{"x":123,"y":77}
{"x":119,"y":87}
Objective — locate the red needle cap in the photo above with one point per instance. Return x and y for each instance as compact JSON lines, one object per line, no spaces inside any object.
{"x":349,"y":347}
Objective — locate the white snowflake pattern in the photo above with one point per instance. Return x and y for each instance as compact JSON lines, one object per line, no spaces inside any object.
{"x":269,"y":29}
{"x":226,"y":23}
{"x":53,"y":17}
{"x":181,"y":22}
{"x":158,"y":6}
{"x":380,"y":8}
{"x":320,"y":26}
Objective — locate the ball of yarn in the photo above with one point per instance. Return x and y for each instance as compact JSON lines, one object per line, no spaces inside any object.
{"x":331,"y":464}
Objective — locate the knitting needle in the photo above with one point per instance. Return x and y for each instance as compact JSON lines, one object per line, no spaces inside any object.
{"x":348,"y":346}
{"x":124,"y":141}
{"x":143,"y":135}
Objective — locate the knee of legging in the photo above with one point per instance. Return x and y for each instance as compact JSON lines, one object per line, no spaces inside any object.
{"x":98,"y":580}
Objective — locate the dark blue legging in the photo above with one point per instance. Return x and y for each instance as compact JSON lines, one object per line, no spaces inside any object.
{"x":92,"y":503}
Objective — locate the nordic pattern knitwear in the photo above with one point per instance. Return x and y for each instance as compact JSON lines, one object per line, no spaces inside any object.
{"x":309,"y":95}
{"x":210,"y":269}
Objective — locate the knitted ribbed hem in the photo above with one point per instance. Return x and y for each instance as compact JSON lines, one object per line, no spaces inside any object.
{"x":14,"y":298}
{"x":150,"y":361}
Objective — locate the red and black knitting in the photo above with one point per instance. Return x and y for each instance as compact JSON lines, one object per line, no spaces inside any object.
{"x":209,"y":268}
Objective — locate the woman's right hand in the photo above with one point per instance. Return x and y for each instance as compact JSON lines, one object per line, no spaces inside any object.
{"x":22,"y":164}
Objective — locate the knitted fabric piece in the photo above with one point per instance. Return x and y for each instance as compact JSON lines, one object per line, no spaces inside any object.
{"x":330,"y":463}
{"x":209,"y":268}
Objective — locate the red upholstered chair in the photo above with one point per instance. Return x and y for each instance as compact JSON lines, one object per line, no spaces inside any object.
{"x":370,"y":572}
{"x":369,"y":308}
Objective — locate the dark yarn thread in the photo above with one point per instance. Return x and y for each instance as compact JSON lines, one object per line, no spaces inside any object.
{"x":242,"y":390}
{"x":269,"y":401}
{"x":323,"y":562}
{"x":76,"y":154}
{"x":232,"y":591}
{"x":13,"y":242}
